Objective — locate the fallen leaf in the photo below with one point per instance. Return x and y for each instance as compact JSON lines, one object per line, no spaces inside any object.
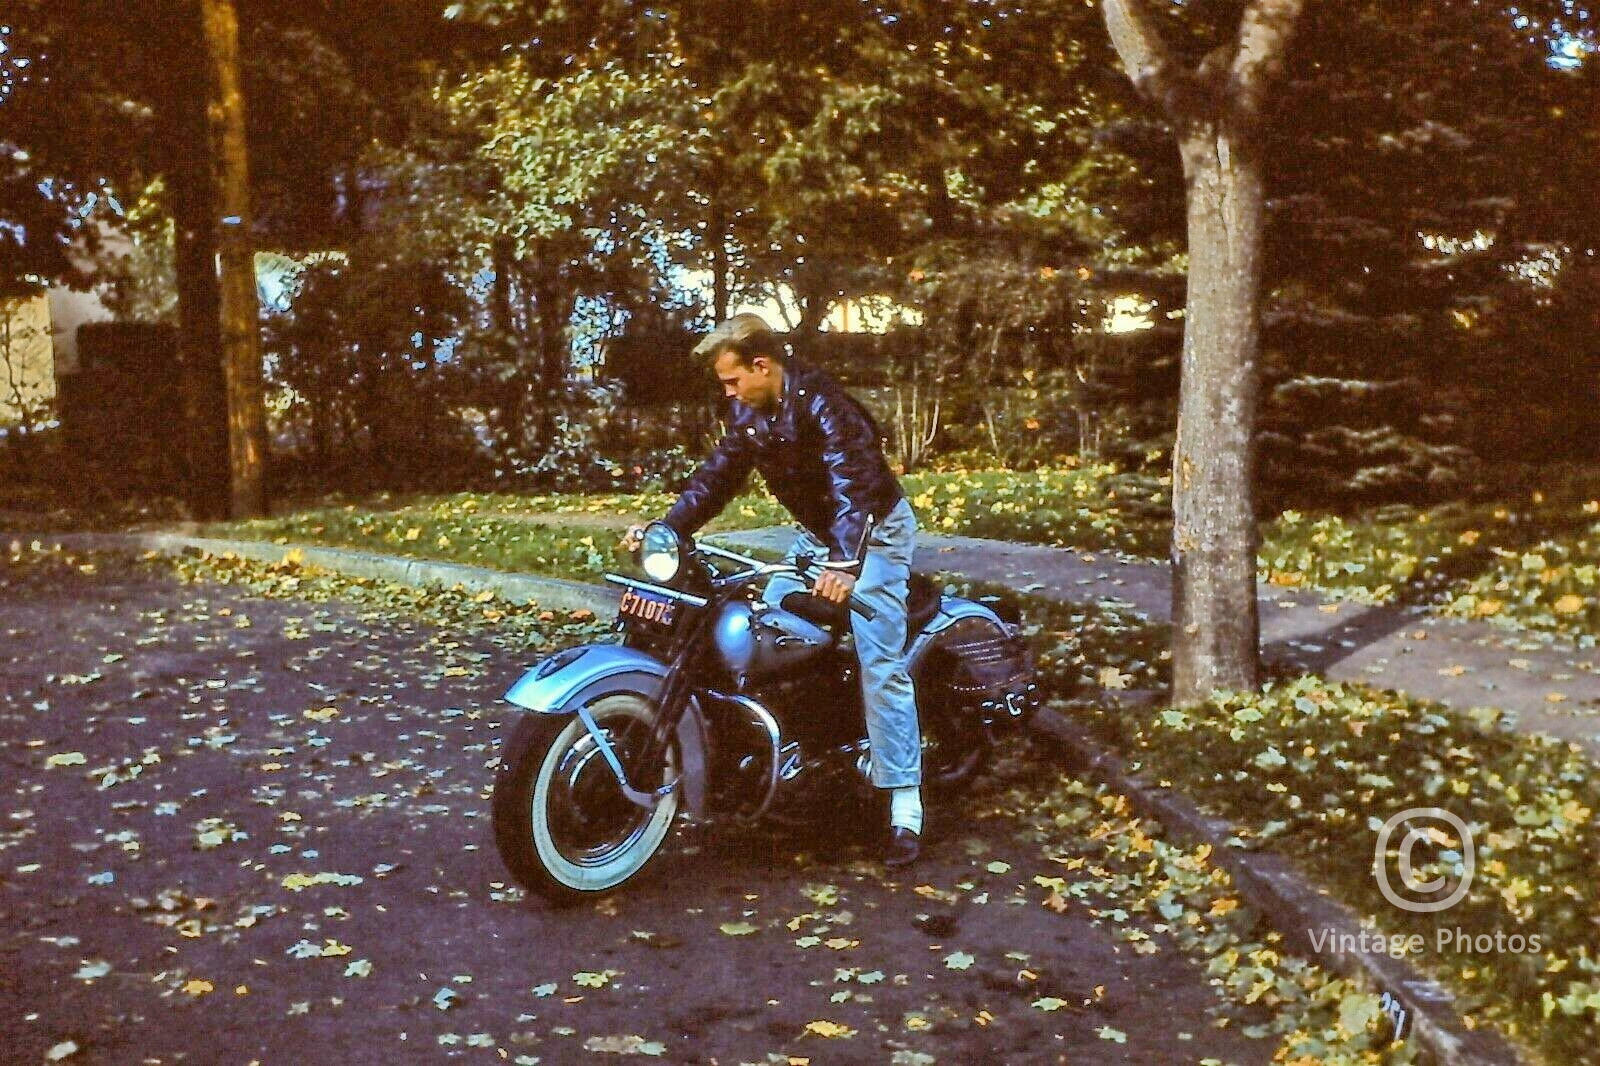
{"x":831,"y":1030}
{"x":739,"y":928}
{"x":624,"y":1045}
{"x":958,"y":960}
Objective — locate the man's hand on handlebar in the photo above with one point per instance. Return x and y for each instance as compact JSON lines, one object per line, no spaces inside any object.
{"x":632,"y":538}
{"x":834,"y":586}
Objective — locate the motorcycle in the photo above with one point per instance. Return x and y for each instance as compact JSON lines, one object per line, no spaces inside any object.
{"x":717,"y":704}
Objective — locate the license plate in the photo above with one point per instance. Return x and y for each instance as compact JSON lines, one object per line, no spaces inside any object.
{"x":648,"y":606}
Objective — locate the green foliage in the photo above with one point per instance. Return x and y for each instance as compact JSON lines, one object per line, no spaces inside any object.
{"x":369,"y":382}
{"x":452,"y":531}
{"x":1529,"y":566}
{"x":1313,"y":769}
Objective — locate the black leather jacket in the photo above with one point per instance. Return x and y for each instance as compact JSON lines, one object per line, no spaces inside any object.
{"x":819,"y":453}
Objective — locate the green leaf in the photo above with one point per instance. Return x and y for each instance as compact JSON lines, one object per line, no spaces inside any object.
{"x":1357,"y":1011}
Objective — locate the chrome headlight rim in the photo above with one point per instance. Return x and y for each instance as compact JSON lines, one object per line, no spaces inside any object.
{"x":661,"y":552}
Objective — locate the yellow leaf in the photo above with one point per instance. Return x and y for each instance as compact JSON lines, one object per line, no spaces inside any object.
{"x":1112,"y":678}
{"x":197,"y":988}
{"x":1223,"y":906}
{"x":294,"y":557}
{"x":831,"y":1030}
{"x":1487,"y":607}
{"x":413,"y":533}
{"x":1571,"y":603}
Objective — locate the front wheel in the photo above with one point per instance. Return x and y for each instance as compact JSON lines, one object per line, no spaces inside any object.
{"x":561,"y":823}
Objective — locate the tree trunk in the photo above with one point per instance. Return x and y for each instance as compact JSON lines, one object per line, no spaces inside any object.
{"x":1217,"y":106}
{"x":716,"y":233}
{"x":240,"y":305}
{"x":1215,"y":622}
{"x":204,"y":390}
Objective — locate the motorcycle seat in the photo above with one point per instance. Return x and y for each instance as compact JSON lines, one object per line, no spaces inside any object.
{"x":922,"y":604}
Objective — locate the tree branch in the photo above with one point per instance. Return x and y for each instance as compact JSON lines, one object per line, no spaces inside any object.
{"x":1144,"y":54}
{"x":1264,"y":35}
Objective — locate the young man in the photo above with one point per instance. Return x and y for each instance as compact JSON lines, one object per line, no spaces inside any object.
{"x":820,"y":455}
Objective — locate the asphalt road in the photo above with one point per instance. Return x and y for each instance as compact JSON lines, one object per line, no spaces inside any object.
{"x":244,"y":830}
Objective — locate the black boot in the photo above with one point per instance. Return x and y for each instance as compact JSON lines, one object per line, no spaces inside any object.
{"x":903,"y":849}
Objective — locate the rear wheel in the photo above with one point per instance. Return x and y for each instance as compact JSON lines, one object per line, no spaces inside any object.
{"x":956,"y":746}
{"x":561,"y":823}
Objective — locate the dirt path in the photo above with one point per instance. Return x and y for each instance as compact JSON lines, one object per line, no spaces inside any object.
{"x":256,"y":830}
{"x":1547,"y":687}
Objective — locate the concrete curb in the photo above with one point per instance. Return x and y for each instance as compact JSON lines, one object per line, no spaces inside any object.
{"x":1274,"y":887}
{"x":517,"y":588}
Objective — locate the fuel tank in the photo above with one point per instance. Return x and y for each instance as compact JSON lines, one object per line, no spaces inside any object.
{"x":756,"y":640}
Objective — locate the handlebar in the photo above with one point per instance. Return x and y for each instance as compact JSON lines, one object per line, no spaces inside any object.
{"x":755,"y":568}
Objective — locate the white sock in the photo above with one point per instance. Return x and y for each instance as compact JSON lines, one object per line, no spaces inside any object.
{"x":905,"y":808}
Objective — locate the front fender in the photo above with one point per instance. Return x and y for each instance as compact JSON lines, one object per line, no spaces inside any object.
{"x":572,"y":678}
{"x":569,"y":679}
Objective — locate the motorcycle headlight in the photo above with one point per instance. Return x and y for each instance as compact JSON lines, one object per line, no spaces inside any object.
{"x":660,"y":554}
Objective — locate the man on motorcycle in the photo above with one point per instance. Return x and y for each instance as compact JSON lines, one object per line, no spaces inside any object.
{"x":820,"y":454}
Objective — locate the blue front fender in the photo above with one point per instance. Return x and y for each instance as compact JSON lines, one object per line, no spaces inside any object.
{"x":572,"y":678}
{"x":569,"y":679}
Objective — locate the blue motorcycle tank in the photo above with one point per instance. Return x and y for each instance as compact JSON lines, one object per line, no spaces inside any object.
{"x":757,"y":640}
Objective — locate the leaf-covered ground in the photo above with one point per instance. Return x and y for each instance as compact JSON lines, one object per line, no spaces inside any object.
{"x":248,"y":820}
{"x":1314,"y":769}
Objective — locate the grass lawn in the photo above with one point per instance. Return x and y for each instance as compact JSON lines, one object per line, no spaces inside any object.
{"x":1532,"y":564}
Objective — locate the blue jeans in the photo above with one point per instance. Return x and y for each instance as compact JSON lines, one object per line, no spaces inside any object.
{"x":886,"y":691}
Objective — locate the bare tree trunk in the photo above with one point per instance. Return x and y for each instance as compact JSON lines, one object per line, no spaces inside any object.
{"x":716,"y":233}
{"x":1216,"y":107}
{"x":240,"y":305}
{"x":1215,"y":621}
{"x":204,"y":389}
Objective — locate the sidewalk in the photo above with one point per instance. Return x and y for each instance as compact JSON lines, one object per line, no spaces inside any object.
{"x":1546,"y":687}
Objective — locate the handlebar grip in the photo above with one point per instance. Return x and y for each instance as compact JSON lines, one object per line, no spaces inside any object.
{"x":864,"y":610}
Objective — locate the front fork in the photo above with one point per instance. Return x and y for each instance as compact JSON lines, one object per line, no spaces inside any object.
{"x":647,"y":800}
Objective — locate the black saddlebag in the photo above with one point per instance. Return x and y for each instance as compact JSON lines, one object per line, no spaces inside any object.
{"x":981,"y":667}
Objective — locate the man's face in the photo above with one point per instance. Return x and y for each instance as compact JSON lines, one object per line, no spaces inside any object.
{"x":758,"y":385}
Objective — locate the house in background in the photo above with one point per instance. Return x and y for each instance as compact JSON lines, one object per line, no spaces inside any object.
{"x":27,"y":361}
{"x":39,"y":333}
